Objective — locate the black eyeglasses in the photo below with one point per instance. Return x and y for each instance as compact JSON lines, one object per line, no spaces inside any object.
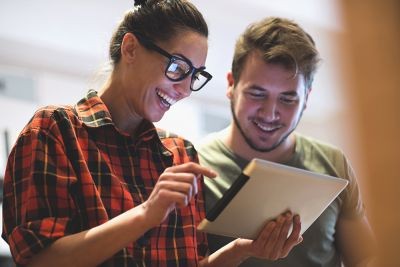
{"x":178,"y":67}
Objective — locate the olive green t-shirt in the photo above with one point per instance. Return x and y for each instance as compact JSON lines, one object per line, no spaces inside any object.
{"x":318,"y":247}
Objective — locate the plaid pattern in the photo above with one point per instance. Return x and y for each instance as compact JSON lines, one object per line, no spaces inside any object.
{"x":71,"y":170}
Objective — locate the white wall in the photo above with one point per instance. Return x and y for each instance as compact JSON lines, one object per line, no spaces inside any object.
{"x":63,"y":43}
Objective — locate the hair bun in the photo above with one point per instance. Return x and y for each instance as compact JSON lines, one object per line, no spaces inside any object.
{"x":140,"y":2}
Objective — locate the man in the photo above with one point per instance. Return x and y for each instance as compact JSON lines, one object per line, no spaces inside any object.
{"x":272,"y":73}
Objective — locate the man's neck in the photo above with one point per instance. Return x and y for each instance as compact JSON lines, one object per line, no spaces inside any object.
{"x":235,"y":141}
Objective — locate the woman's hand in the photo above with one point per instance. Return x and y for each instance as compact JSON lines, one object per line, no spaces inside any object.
{"x":175,"y":188}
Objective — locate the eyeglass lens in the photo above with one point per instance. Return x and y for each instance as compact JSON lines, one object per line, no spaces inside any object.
{"x":198,"y":81}
{"x":179,"y":69}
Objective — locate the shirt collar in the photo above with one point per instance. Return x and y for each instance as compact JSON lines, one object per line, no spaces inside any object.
{"x":94,"y":113}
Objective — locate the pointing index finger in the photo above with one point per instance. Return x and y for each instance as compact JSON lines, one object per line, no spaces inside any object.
{"x":194,"y":168}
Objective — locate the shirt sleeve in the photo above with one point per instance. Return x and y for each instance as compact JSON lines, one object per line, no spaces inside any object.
{"x":202,"y":245}
{"x":201,"y":237}
{"x":37,"y":206}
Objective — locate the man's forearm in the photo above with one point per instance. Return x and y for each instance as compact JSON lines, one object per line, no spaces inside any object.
{"x":229,"y":255}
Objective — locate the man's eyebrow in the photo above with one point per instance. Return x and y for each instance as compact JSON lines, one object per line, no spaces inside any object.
{"x":256,"y":87}
{"x":291,"y":93}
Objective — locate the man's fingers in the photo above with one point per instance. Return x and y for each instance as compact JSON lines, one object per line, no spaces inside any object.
{"x":296,"y":228}
{"x":294,"y":238}
{"x":283,"y":235}
{"x":269,"y":237}
{"x":259,"y":243}
{"x":266,"y":232}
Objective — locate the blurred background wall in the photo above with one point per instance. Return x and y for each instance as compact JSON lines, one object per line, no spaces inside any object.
{"x":371,"y":57}
{"x":53,"y":51}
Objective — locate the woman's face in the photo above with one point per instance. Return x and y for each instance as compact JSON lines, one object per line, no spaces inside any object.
{"x":146,"y":88}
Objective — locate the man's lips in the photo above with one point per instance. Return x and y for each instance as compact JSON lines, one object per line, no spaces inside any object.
{"x":266,"y":127}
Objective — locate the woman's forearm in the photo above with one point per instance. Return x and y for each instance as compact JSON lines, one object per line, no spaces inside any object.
{"x":94,"y":246}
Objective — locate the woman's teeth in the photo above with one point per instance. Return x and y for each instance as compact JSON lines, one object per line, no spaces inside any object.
{"x":166,"y":99}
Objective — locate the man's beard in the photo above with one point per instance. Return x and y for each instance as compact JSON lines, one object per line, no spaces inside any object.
{"x":250,"y":143}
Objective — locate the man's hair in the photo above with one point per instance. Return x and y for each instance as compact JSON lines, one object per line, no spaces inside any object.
{"x":158,"y":20}
{"x":280,"y":41}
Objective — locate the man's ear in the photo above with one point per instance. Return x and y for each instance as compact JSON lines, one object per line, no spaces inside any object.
{"x":306,"y":98}
{"x":231,"y":82}
{"x":128,"y":47}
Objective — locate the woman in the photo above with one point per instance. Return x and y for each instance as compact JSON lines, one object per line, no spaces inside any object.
{"x":96,"y":183}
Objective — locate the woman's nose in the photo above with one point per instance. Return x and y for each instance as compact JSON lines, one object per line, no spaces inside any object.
{"x":183,"y":87}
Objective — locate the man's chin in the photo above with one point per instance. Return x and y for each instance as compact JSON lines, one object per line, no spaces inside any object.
{"x":263,"y":146}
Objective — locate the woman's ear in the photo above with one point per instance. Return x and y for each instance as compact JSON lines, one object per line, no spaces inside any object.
{"x":128,"y":47}
{"x":231,"y":82}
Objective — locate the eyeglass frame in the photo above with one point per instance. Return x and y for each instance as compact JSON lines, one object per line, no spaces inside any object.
{"x":193,"y":70}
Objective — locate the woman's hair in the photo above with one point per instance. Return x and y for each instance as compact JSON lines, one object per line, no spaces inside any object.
{"x":158,"y":20}
{"x":280,"y":41}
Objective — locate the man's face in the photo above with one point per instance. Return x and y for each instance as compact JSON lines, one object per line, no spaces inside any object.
{"x":267,"y":103}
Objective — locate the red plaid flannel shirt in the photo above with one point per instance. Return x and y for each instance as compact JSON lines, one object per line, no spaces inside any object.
{"x":71,"y":170}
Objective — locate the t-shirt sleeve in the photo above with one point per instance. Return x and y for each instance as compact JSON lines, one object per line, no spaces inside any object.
{"x":352,"y":201}
{"x":37,"y":205}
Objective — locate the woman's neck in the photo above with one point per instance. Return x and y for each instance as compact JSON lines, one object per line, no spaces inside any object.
{"x":124,"y":119}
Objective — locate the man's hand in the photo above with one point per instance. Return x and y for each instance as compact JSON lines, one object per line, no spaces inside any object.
{"x":175,"y":188}
{"x":273,"y":241}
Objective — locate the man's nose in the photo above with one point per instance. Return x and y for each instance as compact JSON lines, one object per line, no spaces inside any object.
{"x":270,"y":111}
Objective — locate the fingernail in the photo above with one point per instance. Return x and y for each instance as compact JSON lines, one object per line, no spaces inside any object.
{"x":213,"y":173}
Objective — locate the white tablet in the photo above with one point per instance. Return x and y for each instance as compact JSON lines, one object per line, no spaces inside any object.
{"x":263,"y":191}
